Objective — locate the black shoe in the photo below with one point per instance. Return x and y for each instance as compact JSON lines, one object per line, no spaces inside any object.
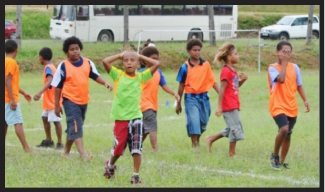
{"x":275,"y":162}
{"x":285,"y":165}
{"x":109,"y":172}
{"x":59,"y":146}
{"x":135,"y":179}
{"x":46,"y":143}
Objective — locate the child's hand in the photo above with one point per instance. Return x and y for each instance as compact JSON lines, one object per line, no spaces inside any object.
{"x":37,"y":96}
{"x":28,"y":97}
{"x":121,"y":55}
{"x":13,"y":105}
{"x":177,"y":97}
{"x":107,"y":85}
{"x":218,"y":112}
{"x":285,"y":56}
{"x":307,"y":106}
{"x":242,"y":76}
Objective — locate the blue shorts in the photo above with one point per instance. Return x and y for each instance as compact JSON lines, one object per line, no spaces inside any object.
{"x":198,"y":112}
{"x":75,"y":116}
{"x":13,"y":117}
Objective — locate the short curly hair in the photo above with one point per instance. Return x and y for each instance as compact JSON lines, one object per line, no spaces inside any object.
{"x":193,"y":42}
{"x":46,"y":53}
{"x":10,"y":46}
{"x":69,"y":41}
{"x":147,"y":51}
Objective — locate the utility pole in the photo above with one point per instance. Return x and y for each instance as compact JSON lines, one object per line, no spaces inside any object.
{"x":18,"y":24}
{"x":126,"y":25}
{"x":212,"y":33}
{"x":310,"y":24}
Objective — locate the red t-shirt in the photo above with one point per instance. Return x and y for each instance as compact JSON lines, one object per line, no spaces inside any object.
{"x":230,"y":100}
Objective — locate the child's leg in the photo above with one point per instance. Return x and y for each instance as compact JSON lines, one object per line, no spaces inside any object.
{"x":283,"y":131}
{"x":21,"y":135}
{"x":80,"y":147}
{"x":210,"y":139}
{"x":285,"y":148}
{"x":232,"y":148}
{"x":286,"y":142}
{"x":153,"y":140}
{"x":67,"y":147}
{"x":144,"y":136}
{"x":136,"y":162}
{"x":58,"y":130}
{"x":6,"y":128}
{"x":194,"y":139}
{"x":47,"y":128}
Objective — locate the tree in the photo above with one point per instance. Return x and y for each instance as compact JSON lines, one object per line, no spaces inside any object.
{"x":212,"y":33}
{"x":310,"y":24}
{"x":126,"y":24}
{"x":18,"y":24}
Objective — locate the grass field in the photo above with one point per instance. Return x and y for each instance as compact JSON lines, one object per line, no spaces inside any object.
{"x":176,"y":164}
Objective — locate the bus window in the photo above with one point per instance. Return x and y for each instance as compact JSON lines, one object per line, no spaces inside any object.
{"x":227,"y":8}
{"x":178,"y":10}
{"x":56,"y":12}
{"x":196,"y":10}
{"x":82,"y":13}
{"x":167,"y":9}
{"x":133,"y":9}
{"x":100,"y":10}
{"x":67,"y":13}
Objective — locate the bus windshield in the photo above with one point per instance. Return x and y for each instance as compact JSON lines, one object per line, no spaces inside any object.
{"x":64,"y":12}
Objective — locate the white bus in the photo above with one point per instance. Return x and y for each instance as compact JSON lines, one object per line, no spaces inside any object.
{"x":105,"y":23}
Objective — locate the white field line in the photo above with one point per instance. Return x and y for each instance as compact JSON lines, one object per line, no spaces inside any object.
{"x":304,"y":181}
{"x":97,"y":125}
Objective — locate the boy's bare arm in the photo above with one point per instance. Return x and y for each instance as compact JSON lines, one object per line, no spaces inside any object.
{"x":57,"y":97}
{"x":154,"y":64}
{"x":38,"y":95}
{"x":8,"y":84}
{"x":26,"y":95}
{"x":215,"y":87}
{"x":102,"y":81}
{"x":108,"y":60}
{"x":303,"y":96}
{"x":167,"y":89}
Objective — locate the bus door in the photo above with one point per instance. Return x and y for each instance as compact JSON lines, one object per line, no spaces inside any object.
{"x":82,"y":22}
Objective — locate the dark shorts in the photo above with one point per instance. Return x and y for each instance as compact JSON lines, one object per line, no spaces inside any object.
{"x":282,"y":120}
{"x":149,"y":121}
{"x":127,"y":133}
{"x":75,"y":116}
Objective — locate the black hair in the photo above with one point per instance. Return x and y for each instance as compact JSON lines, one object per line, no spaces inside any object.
{"x":46,"y":53}
{"x":281,"y":44}
{"x":147,"y":51}
{"x":69,"y":41}
{"x":11,"y":46}
{"x":193,"y":42}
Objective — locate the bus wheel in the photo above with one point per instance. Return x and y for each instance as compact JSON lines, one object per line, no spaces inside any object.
{"x":105,"y":36}
{"x":195,"y":35}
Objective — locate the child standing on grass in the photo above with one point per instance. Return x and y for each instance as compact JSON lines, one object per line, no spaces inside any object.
{"x":284,"y":80}
{"x":196,"y":77}
{"x":72,"y":84}
{"x":149,"y":98}
{"x":126,"y":109}
{"x":228,"y":101}
{"x":13,"y":114}
{"x":48,"y":115}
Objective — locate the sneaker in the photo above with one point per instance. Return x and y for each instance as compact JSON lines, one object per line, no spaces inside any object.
{"x":109,"y":172}
{"x":59,"y":146}
{"x":285,"y":165}
{"x":135,"y":179}
{"x":274,"y":160}
{"x":46,"y":143}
